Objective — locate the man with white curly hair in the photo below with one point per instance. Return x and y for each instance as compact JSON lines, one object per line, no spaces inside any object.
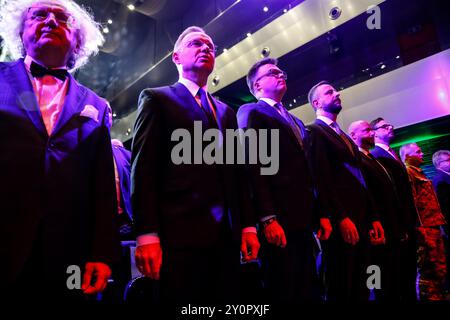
{"x":57,"y":190}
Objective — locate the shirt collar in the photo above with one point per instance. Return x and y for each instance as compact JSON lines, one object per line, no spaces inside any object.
{"x":269,"y":101}
{"x":328,"y":121}
{"x":382,"y":146}
{"x":364,"y":151}
{"x":28,"y":60}
{"x":191,"y":86}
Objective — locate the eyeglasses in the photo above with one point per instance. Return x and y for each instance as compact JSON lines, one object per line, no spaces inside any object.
{"x":197,"y":43}
{"x":385,"y":126}
{"x":274,"y":73}
{"x":42,"y":14}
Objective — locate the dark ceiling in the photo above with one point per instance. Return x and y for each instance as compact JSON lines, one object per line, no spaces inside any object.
{"x":134,"y":55}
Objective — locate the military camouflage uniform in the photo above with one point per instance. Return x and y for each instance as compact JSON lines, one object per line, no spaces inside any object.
{"x":431,"y":251}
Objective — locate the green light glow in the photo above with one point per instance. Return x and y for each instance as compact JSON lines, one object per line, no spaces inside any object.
{"x":419,"y":138}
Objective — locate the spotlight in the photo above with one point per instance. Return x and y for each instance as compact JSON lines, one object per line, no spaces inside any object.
{"x":131,"y":7}
{"x":249,"y":35}
{"x":265,"y":9}
{"x":129,"y":130}
{"x":105,"y":30}
{"x":215,"y":80}
{"x":285,"y":10}
{"x":225,"y":49}
{"x":397,"y":57}
{"x":335,"y":13}
{"x":383,"y":66}
{"x":265,"y":52}
{"x":114,"y":115}
{"x":109,"y":21}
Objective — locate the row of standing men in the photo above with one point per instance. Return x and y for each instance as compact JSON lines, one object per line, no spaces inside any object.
{"x":194,"y":223}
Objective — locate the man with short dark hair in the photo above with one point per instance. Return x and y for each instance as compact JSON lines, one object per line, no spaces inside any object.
{"x":344,"y":198}
{"x":190,"y":218}
{"x":284,"y":201}
{"x":407,"y":214}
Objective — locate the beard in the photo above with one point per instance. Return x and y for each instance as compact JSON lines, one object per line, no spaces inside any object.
{"x":368,"y":143}
{"x":333,"y":108}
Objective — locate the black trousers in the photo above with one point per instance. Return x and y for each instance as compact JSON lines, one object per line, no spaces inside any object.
{"x":290,"y":274}
{"x":203,"y":275}
{"x":345,"y":269}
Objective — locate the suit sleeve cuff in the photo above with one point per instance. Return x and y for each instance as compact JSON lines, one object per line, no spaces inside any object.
{"x":148,"y":238}
{"x":267,"y":218}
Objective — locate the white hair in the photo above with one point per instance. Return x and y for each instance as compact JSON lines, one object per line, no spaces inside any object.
{"x":437,"y":157}
{"x":89,"y":36}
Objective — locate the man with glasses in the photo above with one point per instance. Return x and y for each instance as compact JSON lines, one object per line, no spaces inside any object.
{"x":284,"y":202}
{"x":407,"y":214}
{"x":190,"y":218}
{"x":344,"y":198}
{"x":57,"y":171}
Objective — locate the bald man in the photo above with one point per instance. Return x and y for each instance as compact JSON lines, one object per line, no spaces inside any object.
{"x":384,"y":251}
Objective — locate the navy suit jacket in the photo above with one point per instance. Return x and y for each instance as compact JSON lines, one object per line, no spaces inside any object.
{"x":337,"y":176}
{"x":56,"y":190}
{"x":441,"y":182}
{"x":183,"y":203}
{"x":407,"y":213}
{"x":288,"y":194}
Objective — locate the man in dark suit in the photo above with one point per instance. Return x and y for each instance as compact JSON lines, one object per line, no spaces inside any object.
{"x":441,"y":183}
{"x":344,"y":198}
{"x":382,"y":188}
{"x":407,"y":214}
{"x":284,"y":201}
{"x":190,"y":216}
{"x":57,"y":172}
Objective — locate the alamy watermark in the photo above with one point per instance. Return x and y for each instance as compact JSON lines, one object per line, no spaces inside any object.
{"x":374,"y":21}
{"x":256,"y":151}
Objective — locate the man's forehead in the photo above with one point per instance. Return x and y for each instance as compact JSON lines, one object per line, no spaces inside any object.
{"x":49,"y":4}
{"x":325,"y":87}
{"x":197,"y":35}
{"x":266,"y":67}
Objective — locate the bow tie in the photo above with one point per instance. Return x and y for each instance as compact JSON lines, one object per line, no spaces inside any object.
{"x":39,"y":71}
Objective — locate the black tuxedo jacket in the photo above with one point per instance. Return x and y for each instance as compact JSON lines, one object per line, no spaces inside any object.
{"x":382,"y":188}
{"x":337,"y":175}
{"x":441,"y":182}
{"x":186,"y":204}
{"x":57,"y":191}
{"x":407,"y":214}
{"x":288,"y":194}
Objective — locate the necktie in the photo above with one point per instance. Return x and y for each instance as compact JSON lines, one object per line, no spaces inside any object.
{"x":392,"y":151}
{"x":39,"y":71}
{"x":343,"y":136}
{"x":206,"y":105}
{"x":294,"y":127}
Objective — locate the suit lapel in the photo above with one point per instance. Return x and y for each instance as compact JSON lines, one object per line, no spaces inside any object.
{"x":72,"y":104}
{"x":186,"y":100}
{"x":19,"y":80}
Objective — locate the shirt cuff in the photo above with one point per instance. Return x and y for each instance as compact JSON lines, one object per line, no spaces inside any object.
{"x":267,"y":218}
{"x":249,"y":230}
{"x":148,"y":238}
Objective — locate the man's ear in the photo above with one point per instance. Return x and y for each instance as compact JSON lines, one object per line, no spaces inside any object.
{"x":175,"y":58}
{"x":256,"y":86}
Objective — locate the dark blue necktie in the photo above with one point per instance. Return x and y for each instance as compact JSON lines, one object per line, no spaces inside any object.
{"x":205,"y":105}
{"x":294,"y":127}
